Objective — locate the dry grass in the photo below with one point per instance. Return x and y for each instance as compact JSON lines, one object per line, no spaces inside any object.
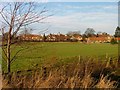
{"x":105,"y":83}
{"x":83,"y":74}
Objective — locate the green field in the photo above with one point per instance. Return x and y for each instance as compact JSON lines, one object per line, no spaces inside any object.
{"x":42,"y":53}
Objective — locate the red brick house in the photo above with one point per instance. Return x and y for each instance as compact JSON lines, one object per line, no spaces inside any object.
{"x":56,"y":37}
{"x":51,"y":37}
{"x":77,"y":37}
{"x":99,"y":39}
{"x":30,"y":37}
{"x":117,"y":38}
{"x":62,"y":37}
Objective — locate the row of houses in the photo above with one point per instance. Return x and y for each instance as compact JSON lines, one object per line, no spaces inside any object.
{"x":30,"y":37}
{"x":50,"y":37}
{"x":101,"y":38}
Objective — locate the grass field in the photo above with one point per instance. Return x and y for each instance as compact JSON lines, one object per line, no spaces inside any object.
{"x":41,"y":53}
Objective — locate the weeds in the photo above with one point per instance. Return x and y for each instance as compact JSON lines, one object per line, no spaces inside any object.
{"x":87,"y":73}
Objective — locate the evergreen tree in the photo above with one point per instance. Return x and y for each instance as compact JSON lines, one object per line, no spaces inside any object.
{"x":117,"y":32}
{"x":44,"y":38}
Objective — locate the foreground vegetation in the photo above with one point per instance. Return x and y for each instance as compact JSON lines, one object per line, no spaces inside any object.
{"x":87,"y":73}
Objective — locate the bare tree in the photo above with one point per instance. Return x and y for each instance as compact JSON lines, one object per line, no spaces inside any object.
{"x":15,"y":15}
{"x":26,"y":31}
{"x":70,"y":33}
{"x":89,"y":32}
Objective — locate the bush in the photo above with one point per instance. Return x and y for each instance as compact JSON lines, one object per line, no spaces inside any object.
{"x":113,"y":41}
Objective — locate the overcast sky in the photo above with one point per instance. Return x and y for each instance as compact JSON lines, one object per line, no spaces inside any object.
{"x":78,"y":16}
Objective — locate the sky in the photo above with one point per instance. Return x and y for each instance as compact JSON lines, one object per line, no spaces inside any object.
{"x":78,"y":16}
{"x":60,"y":0}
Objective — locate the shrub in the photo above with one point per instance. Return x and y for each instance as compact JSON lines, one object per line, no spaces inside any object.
{"x":113,"y":41}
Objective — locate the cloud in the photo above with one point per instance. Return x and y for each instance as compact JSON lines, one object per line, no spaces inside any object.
{"x":70,"y":17}
{"x":43,"y":1}
{"x":92,"y":6}
{"x":80,"y":21}
{"x":83,"y":0}
{"x":73,"y":17}
{"x":69,"y":8}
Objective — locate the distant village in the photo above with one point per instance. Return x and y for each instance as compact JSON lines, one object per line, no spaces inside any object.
{"x":94,"y":38}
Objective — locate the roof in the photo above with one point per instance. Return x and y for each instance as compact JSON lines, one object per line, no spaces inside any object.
{"x":117,"y":38}
{"x":31,"y":35}
{"x":97,"y":38}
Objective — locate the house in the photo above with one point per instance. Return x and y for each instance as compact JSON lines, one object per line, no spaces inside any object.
{"x":74,"y":37}
{"x":77,"y":37}
{"x":51,"y":37}
{"x":102,"y":38}
{"x":56,"y":37}
{"x":30,"y":37}
{"x":117,"y":38}
{"x":62,"y":37}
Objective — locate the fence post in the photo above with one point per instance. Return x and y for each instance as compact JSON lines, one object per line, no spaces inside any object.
{"x":44,"y":72}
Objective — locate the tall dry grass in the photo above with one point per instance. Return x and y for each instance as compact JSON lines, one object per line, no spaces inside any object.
{"x":86,"y":73}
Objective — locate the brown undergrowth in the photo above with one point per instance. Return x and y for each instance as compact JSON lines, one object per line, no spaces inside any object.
{"x":82,"y":74}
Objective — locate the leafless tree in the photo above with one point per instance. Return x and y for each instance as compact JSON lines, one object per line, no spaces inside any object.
{"x":26,"y":31}
{"x":89,"y":32}
{"x":70,"y":33}
{"x":15,"y":15}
